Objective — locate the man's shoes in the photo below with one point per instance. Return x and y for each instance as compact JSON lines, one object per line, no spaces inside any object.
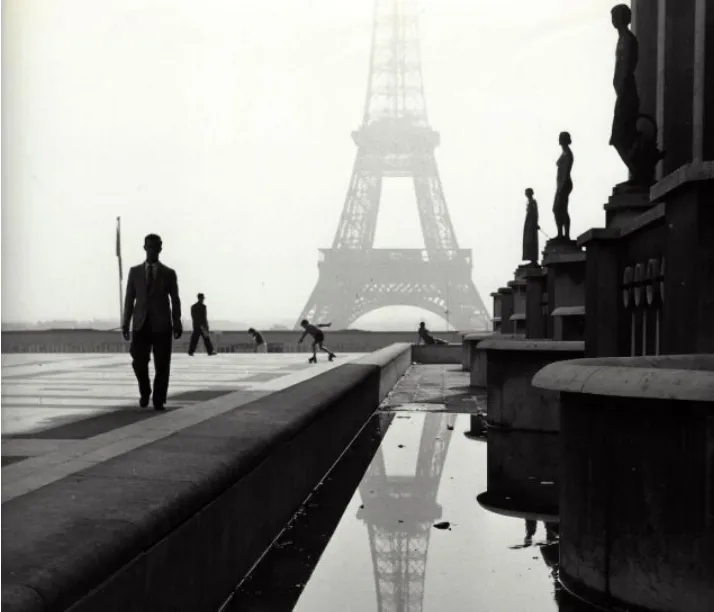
{"x":144,"y":400}
{"x":190,"y":354}
{"x":312,"y":360}
{"x":332,"y":356}
{"x":212,"y":354}
{"x":159,"y":406}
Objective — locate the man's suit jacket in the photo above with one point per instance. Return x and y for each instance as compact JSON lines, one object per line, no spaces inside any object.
{"x":154,"y":305}
{"x":199,"y":316}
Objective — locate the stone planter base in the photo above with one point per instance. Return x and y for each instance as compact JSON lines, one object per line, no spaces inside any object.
{"x":637,"y":480}
{"x":513,"y":403}
{"x":522,"y":475}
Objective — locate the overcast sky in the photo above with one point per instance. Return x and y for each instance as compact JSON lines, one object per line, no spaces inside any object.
{"x":224,"y":126}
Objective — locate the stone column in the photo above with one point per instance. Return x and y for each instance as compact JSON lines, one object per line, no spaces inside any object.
{"x":675,"y":72}
{"x":644,"y":26}
{"x":703,"y":106}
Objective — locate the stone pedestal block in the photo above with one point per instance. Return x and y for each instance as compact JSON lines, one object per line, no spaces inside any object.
{"x":622,"y":208}
{"x":518,"y":318}
{"x":513,"y":403}
{"x":565,"y":262}
{"x":688,"y":196}
{"x":522,"y":475}
{"x":497,"y":312}
{"x":506,"y":295}
{"x":636,"y":505}
{"x":468,"y":344}
{"x":536,"y":303}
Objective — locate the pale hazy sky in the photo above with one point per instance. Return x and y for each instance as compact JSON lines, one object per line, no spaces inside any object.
{"x":224,"y":126}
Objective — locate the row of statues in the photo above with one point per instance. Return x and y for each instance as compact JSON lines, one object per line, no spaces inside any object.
{"x":634,"y":137}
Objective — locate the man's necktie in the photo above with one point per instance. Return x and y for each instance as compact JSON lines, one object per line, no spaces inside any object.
{"x":149,"y":277}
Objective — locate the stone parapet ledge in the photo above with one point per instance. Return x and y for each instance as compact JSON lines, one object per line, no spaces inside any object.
{"x":693,"y":172}
{"x":437,"y":353}
{"x":636,"y":515}
{"x":519,"y":344}
{"x":670,"y":377}
{"x":568,"y":311}
{"x":176,"y":523}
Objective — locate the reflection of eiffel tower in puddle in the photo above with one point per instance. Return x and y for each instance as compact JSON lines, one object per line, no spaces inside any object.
{"x":399,"y":549}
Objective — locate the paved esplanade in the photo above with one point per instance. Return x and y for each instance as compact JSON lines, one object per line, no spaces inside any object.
{"x":61,"y":413}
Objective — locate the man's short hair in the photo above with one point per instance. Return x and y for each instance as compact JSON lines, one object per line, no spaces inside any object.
{"x":622,"y":10}
{"x":303,"y":322}
{"x":200,"y":296}
{"x":152,"y":238}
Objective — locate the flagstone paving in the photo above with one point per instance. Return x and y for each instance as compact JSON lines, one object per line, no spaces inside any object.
{"x":64,"y":412}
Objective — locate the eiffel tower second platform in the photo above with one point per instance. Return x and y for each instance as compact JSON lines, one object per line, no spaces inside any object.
{"x":395,"y":140}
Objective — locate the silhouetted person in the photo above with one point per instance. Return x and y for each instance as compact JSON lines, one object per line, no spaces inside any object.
{"x":563,"y":187}
{"x":260,"y":345}
{"x":199,"y":318}
{"x":318,"y":338}
{"x":426,"y":337}
{"x":149,"y":288}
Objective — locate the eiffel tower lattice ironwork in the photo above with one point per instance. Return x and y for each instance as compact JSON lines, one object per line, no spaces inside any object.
{"x":399,"y":511}
{"x":395,"y":140}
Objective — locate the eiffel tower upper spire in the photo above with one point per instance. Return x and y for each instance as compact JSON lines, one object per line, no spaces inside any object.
{"x":395,"y":87}
{"x":395,"y":140}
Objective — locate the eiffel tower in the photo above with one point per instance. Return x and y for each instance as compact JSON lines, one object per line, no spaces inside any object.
{"x":395,"y":140}
{"x":399,"y":512}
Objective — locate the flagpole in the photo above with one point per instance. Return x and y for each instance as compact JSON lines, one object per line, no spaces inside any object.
{"x":118,"y":254}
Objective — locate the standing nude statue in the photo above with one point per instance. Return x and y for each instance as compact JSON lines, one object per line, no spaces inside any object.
{"x":637,"y":149}
{"x":564,"y":185}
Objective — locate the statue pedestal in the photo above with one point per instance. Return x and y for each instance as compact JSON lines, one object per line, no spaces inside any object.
{"x":559,"y":246}
{"x":565,"y":263}
{"x":623,"y":207}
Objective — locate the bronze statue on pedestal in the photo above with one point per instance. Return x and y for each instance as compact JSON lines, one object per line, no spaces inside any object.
{"x":636,"y":147}
{"x":564,"y":185}
{"x":530,"y":230}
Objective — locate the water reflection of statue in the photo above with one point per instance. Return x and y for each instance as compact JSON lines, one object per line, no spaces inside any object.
{"x":530,"y":230}
{"x":564,"y":185}
{"x":638,"y":149}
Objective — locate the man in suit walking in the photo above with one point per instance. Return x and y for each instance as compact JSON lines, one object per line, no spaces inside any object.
{"x":199,"y":318}
{"x":149,"y":288}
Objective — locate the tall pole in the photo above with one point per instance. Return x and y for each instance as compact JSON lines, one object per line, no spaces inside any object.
{"x":118,"y":254}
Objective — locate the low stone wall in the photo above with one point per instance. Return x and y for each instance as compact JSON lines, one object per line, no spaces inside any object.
{"x":637,"y":480}
{"x":437,"y":353}
{"x":175,"y":524}
{"x":513,"y":402}
{"x":279,"y":341}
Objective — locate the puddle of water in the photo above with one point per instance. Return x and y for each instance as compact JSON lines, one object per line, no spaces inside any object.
{"x":397,"y":526}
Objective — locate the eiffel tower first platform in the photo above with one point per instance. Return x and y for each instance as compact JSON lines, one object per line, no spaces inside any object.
{"x":395,"y":140}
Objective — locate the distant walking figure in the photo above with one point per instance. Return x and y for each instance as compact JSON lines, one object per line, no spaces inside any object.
{"x":318,"y":338}
{"x":426,"y":337}
{"x":199,"y":318}
{"x":149,"y":288}
{"x":260,"y":345}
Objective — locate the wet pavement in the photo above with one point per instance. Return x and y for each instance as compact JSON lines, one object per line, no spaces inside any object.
{"x":420,"y":514}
